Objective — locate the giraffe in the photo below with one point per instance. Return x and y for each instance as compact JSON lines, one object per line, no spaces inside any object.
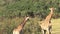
{"x":46,"y":23}
{"x":20,"y":27}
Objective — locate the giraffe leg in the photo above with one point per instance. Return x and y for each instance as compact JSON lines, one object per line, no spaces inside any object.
{"x":21,"y":32}
{"x":50,"y":30}
{"x":47,"y":31}
{"x":42,"y":31}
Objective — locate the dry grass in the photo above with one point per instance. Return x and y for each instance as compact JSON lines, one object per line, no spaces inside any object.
{"x":31,"y":27}
{"x":56,"y":26}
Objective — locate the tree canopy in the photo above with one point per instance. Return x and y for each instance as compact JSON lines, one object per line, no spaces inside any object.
{"x":10,"y":8}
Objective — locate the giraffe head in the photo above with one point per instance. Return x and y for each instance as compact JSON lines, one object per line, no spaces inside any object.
{"x":52,"y":8}
{"x":26,"y":18}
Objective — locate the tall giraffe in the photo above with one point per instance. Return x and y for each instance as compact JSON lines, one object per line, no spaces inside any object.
{"x":20,"y":27}
{"x":46,"y":24}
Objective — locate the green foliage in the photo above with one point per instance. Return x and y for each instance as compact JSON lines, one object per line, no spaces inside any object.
{"x":16,"y":7}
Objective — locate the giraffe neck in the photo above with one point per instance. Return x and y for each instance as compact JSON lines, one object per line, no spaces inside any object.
{"x":48,"y":18}
{"x":20,"y":26}
{"x":23,"y":22}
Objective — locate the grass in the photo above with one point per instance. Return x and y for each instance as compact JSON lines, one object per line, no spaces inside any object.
{"x":31,"y":27}
{"x":56,"y":26}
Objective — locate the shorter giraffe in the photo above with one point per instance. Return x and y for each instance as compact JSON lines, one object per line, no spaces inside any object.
{"x":20,"y":27}
{"x":46,"y":24}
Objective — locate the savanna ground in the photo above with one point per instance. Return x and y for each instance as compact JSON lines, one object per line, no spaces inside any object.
{"x":56,"y":26}
{"x":31,"y":27}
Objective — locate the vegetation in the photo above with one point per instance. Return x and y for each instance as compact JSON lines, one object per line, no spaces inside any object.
{"x":55,"y":26}
{"x":31,"y":27}
{"x":13,"y":8}
{"x":12,"y":13}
